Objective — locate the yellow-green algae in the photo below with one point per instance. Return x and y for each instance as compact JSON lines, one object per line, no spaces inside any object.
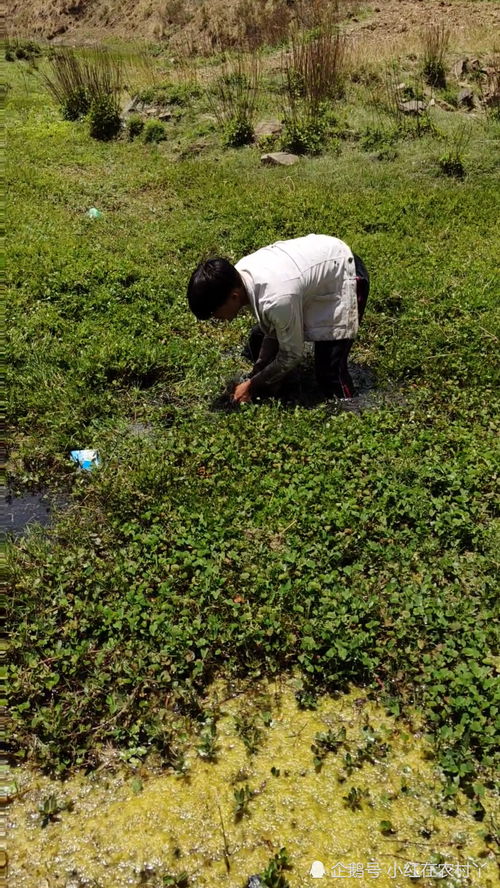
{"x":120,"y":827}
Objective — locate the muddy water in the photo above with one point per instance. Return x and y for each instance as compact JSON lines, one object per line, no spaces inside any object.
{"x":127,"y":829}
{"x":19,"y":511}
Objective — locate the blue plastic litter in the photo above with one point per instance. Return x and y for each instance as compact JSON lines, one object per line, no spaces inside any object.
{"x":94,"y":213}
{"x":86,"y":459}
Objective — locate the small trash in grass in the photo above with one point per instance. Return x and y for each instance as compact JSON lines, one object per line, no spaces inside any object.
{"x":254,"y":882}
{"x":86,"y":459}
{"x":94,"y":213}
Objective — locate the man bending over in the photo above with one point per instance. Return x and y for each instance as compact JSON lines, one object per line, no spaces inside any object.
{"x":311,"y":289}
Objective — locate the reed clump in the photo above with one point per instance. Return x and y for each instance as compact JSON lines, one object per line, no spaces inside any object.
{"x":435,"y":39}
{"x":76,"y":80}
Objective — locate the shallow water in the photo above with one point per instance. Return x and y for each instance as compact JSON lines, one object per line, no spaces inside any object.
{"x":132,"y":829}
{"x":301,"y":389}
{"x":25,"y":509}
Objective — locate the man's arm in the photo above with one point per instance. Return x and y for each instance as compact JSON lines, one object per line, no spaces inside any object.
{"x":268,"y":351}
{"x":286,"y":320}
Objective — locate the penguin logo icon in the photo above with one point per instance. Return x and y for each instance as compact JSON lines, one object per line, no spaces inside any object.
{"x":317,"y":870}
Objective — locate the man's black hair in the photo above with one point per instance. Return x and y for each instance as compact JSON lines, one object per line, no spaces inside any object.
{"x":209,"y":286}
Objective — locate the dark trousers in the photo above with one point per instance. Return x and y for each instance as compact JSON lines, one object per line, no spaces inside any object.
{"x":330,"y":356}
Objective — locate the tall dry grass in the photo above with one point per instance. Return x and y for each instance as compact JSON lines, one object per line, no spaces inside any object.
{"x":435,"y":41}
{"x":316,"y":64}
{"x":233,"y":95}
{"x":76,"y":79}
{"x":314,"y":71}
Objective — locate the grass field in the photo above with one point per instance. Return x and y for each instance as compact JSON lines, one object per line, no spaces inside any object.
{"x":295,"y":535}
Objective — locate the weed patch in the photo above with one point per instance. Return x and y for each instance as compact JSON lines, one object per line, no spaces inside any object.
{"x":154,"y":131}
{"x":104,"y":118}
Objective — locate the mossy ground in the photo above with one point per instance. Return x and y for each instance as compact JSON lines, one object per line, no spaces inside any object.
{"x":373,"y":801}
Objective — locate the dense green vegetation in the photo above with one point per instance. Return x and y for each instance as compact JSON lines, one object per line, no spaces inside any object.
{"x":293,"y":534}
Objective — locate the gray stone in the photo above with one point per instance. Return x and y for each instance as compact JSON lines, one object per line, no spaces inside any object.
{"x":442,"y":104}
{"x":268,"y":127}
{"x":466,"y":98}
{"x":254,"y":882}
{"x":193,"y":149}
{"x":413,"y":106}
{"x":492,"y":99}
{"x":133,"y":106}
{"x":279,"y":158}
{"x":460,"y":68}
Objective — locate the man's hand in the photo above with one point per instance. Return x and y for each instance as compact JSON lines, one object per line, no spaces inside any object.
{"x":241,"y":394}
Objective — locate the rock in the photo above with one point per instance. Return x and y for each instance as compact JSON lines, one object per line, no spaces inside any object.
{"x":460,"y":68}
{"x":133,"y":106}
{"x":442,"y":104}
{"x":254,"y":882}
{"x":466,"y":98}
{"x":194,"y":148}
{"x":414,"y":106}
{"x":158,"y":112}
{"x":279,"y":158}
{"x":492,"y":100}
{"x":268,"y":127}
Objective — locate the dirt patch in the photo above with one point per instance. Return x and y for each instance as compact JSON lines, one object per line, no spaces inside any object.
{"x":195,"y":27}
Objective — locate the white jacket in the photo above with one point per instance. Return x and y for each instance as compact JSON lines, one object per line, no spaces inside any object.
{"x":301,"y":289}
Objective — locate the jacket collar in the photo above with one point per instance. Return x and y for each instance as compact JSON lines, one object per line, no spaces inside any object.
{"x":250,"y":289}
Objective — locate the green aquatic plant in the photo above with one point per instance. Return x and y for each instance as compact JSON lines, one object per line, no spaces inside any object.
{"x":242,"y":797}
{"x":207,"y":746}
{"x":50,"y":808}
{"x":370,"y":751}
{"x":325,"y":742}
{"x":249,"y":730}
{"x":273,"y":875}
{"x":175,"y":881}
{"x":354,"y":798}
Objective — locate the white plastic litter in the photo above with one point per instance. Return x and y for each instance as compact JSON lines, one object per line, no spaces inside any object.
{"x":86,"y":459}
